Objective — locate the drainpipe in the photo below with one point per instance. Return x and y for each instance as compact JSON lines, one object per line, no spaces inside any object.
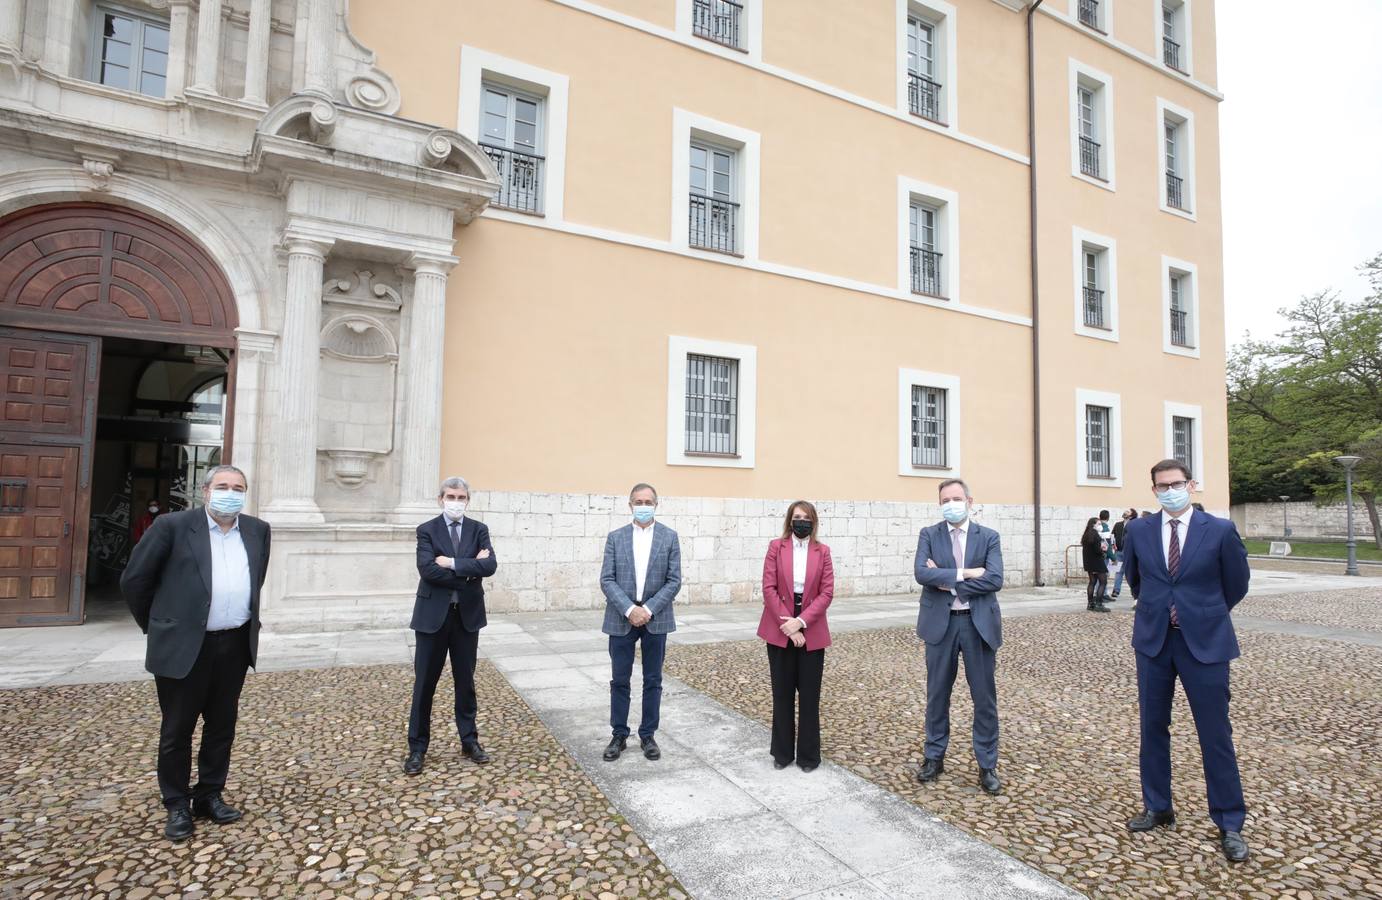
{"x":1036,"y":306}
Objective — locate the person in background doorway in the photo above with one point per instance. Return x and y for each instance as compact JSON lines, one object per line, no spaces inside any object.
{"x":1094,"y":550}
{"x":146,"y":519}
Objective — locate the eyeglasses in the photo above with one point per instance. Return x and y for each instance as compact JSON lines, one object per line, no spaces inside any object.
{"x":1173,"y":486}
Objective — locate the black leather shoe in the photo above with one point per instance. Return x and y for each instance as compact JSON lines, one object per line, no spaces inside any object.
{"x":930,"y":770}
{"x":1097,"y":607}
{"x":807,"y":767}
{"x":213,"y":808}
{"x":1114,"y":595}
{"x":476,"y":753}
{"x":650,"y":748}
{"x":1149,"y":820}
{"x":1235,"y":848}
{"x":413,"y":765}
{"x":988,"y":780}
{"x":616,"y":747}
{"x":778,"y":764}
{"x":179,"y":826}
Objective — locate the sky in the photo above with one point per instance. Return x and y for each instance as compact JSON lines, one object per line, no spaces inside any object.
{"x":1301,"y":153}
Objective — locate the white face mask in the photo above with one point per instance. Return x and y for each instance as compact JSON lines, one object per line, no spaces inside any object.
{"x":454,"y":509}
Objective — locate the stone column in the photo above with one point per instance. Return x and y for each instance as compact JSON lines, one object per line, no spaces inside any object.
{"x":295,"y":434}
{"x":179,"y":45}
{"x":320,"y":68}
{"x":257,"y":52}
{"x":419,"y":447}
{"x":59,"y":36}
{"x":12,"y":24}
{"x":208,"y":46}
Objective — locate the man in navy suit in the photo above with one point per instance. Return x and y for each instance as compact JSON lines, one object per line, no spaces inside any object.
{"x":960,"y":565}
{"x":453,"y":555}
{"x":640,"y":577}
{"x":1186,"y":569}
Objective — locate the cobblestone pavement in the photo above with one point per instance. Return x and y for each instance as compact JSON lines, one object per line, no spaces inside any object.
{"x":328,"y":812}
{"x":1306,"y":716}
{"x":1357,"y":610}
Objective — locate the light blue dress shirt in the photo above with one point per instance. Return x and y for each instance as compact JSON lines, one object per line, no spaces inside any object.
{"x":230,"y":577}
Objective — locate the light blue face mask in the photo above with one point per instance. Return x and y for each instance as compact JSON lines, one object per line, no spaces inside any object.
{"x":227,"y":502}
{"x":955,"y":511}
{"x":643,"y":514}
{"x":1173,"y":501}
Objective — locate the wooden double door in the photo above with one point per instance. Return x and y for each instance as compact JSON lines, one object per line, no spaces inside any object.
{"x":47,"y":430}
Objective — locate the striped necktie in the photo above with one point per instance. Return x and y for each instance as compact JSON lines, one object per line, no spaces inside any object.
{"x":1173,"y":562}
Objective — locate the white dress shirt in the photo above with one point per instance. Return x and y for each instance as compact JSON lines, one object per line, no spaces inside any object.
{"x":642,"y":551}
{"x":963,"y":531}
{"x":230,"y":577}
{"x":1166,"y":518}
{"x":799,"y":550}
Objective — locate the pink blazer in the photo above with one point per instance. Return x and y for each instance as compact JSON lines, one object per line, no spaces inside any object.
{"x":777,"y":593}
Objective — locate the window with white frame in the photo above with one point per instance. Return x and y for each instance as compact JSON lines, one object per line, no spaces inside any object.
{"x":1175,"y":35}
{"x":516,"y":112}
{"x":130,"y":51}
{"x":1177,"y":151}
{"x":1096,"y":285}
{"x":1091,"y":124}
{"x":721,"y":21}
{"x":1098,"y":430}
{"x":929,"y":240}
{"x":711,"y":403}
{"x":511,"y":135}
{"x":1180,"y":305}
{"x":928,"y":424}
{"x":713,"y":208}
{"x":1185,"y":438}
{"x":1094,"y":14}
{"x":927,"y":70}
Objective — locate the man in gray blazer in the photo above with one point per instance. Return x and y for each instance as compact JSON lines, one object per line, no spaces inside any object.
{"x":960,"y":566}
{"x":192,"y":584}
{"x":640,"y":578}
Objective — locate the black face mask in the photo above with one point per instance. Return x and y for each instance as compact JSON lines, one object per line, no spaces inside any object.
{"x":801,"y":528}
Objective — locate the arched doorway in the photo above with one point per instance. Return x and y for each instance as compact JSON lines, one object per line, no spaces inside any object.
{"x":90,"y":295}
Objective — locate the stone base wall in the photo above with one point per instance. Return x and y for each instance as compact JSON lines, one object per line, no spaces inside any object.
{"x":1306,"y":520}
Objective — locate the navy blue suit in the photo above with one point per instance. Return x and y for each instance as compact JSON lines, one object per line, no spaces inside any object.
{"x":447,"y":617}
{"x":976,"y":636}
{"x":1211,"y":579}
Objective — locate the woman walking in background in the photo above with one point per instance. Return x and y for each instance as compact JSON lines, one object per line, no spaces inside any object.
{"x":1095,"y":552}
{"x":798,"y":584}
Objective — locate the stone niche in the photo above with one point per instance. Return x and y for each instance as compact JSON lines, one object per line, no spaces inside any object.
{"x":357,"y":387}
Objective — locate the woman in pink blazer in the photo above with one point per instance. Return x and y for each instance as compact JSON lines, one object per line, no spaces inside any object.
{"x":798,"y":582}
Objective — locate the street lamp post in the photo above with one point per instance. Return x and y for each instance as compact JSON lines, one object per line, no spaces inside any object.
{"x":1285,"y":525}
{"x":1348,"y":462}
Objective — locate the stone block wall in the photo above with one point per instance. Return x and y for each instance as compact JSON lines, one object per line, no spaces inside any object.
{"x":1306,"y":519}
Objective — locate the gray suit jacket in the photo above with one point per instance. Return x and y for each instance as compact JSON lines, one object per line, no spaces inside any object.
{"x":982,"y":550}
{"x":660,"y":587}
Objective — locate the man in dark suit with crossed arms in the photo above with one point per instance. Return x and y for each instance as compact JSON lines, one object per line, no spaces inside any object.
{"x":453,"y":556}
{"x":1186,"y":569}
{"x":193,"y":585}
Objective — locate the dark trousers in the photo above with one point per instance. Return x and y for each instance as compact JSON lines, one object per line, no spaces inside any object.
{"x":428,"y":661}
{"x":942,"y":667}
{"x":1206,"y":687}
{"x":621,"y":649}
{"x":1098,"y":586}
{"x":796,"y":670}
{"x":211,"y":692}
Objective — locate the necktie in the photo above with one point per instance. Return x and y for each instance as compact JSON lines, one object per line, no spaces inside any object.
{"x":956,"y":549}
{"x":1173,"y":562}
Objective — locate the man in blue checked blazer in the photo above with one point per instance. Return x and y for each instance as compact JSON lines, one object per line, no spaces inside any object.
{"x":640,"y":577}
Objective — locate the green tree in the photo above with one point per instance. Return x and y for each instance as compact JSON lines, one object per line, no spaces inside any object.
{"x":1311,"y":394}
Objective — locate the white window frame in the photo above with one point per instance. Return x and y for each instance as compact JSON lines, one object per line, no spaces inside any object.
{"x":688,"y":126}
{"x":1196,"y":413}
{"x":1104,"y":25}
{"x":1190,"y":295}
{"x":1183,"y":15}
{"x":942,"y":18}
{"x":750,"y":29}
{"x":96,"y":40}
{"x":947,"y":206}
{"x":1184,"y":120}
{"x":1080,"y":239}
{"x":1102,"y":85}
{"x":1085,"y":397}
{"x":678,"y":349}
{"x":480,"y":66}
{"x":906,"y":380}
